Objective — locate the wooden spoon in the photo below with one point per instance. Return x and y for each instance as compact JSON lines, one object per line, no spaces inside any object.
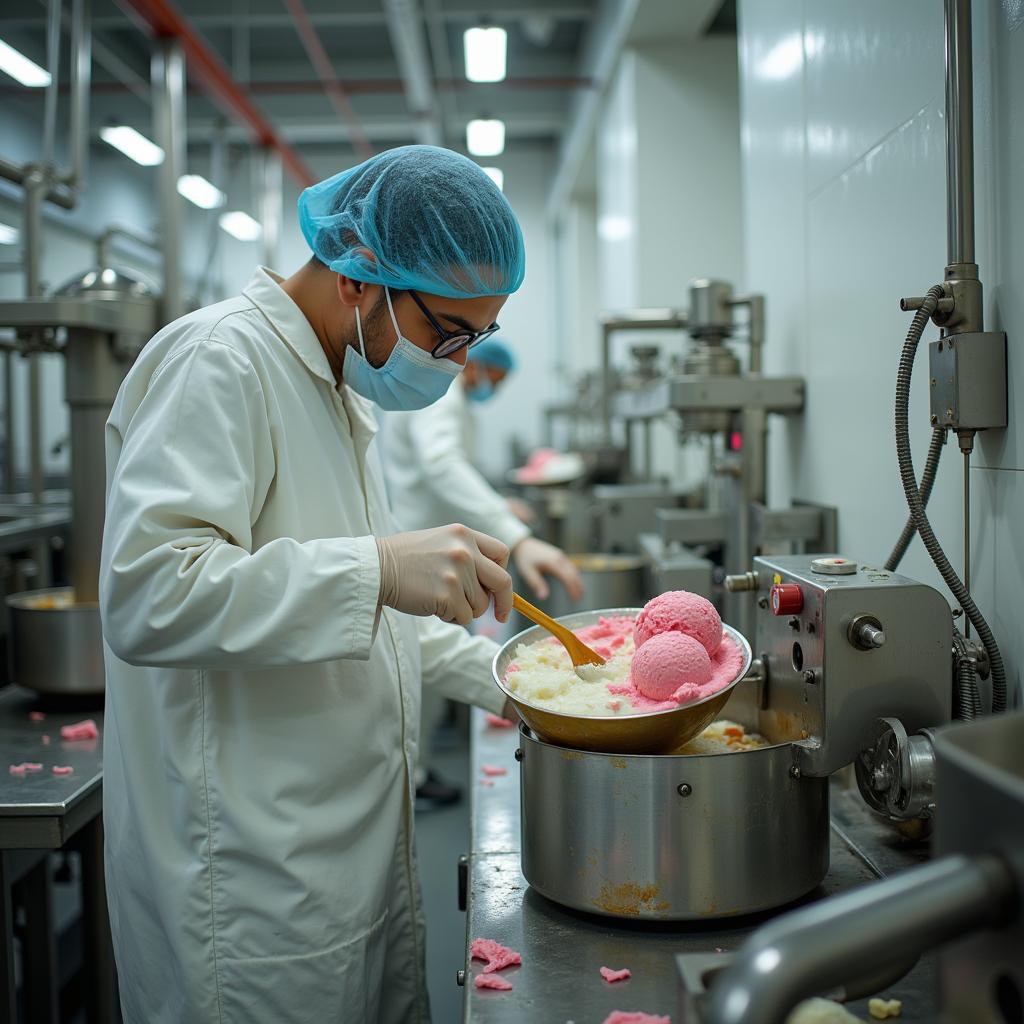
{"x":579,"y":652}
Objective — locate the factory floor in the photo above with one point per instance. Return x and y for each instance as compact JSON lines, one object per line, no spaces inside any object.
{"x":441,"y":836}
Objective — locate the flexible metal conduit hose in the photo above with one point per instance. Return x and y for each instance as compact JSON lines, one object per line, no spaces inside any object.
{"x":917,"y":512}
{"x":968,"y":697}
{"x":931,"y":468}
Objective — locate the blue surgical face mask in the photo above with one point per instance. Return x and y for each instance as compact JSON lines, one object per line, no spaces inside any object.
{"x":481,"y":391}
{"x":410,"y":379}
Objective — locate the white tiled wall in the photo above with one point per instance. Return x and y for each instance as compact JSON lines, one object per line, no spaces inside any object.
{"x":844,"y":192}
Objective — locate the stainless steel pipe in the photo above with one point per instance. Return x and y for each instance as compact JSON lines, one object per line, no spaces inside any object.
{"x":81,"y":78}
{"x":53,"y":13}
{"x":959,"y":133}
{"x":168,"y":70}
{"x":851,"y":936}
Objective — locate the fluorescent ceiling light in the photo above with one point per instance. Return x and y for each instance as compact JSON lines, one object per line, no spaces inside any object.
{"x":133,"y":144}
{"x":485,"y":137}
{"x":8,"y":235}
{"x":485,"y":54}
{"x":196,"y":189}
{"x":497,"y":175}
{"x":240,"y":225}
{"x":21,"y":69}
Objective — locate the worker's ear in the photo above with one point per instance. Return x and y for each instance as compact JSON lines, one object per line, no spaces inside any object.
{"x":350,"y":291}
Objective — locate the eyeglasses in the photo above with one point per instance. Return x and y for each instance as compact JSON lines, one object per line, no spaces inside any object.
{"x":450,"y":342}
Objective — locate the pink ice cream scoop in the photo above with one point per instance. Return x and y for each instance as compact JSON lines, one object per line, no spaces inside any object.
{"x":668,"y":661}
{"x":681,"y":612}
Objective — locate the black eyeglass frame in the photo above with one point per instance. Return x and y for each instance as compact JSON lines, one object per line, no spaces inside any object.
{"x":450,"y":342}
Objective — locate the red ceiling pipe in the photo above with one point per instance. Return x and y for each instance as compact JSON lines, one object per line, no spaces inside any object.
{"x":165,"y":20}
{"x":325,"y":72}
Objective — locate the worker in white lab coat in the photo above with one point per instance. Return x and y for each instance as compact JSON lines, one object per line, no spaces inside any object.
{"x":429,"y":460}
{"x":266,"y":625}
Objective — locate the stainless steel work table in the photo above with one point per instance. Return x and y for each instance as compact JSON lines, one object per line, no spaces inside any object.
{"x":41,"y":812}
{"x":562,"y":949}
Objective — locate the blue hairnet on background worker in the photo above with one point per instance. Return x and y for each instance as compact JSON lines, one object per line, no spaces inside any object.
{"x":266,"y":625}
{"x":429,"y":457}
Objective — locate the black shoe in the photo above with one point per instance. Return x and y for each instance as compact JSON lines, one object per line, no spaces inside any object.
{"x":435,"y":792}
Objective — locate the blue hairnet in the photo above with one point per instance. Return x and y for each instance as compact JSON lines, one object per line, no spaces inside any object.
{"x":493,"y":352}
{"x":431,"y":218}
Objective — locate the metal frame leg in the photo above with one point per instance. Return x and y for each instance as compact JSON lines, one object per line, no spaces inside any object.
{"x":39,"y":952}
{"x":8,"y":994}
{"x":98,"y":952}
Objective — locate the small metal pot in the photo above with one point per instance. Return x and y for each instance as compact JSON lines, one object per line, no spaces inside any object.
{"x":609,"y":581}
{"x":653,"y":732}
{"x":55,"y":645}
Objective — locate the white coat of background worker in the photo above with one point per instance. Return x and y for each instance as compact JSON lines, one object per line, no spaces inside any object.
{"x":429,"y":460}
{"x":267,"y":628}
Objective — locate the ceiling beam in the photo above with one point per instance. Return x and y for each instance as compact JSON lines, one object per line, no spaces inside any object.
{"x":409,"y":42}
{"x":164,"y":20}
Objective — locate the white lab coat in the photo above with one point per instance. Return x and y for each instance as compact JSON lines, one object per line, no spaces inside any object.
{"x":261,"y":722}
{"x":428,"y":459}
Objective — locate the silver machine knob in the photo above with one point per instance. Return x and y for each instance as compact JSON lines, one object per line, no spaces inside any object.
{"x":866,"y":633}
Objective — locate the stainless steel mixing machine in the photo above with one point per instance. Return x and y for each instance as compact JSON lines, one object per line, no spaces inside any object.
{"x":675,"y":837}
{"x":99,"y":321}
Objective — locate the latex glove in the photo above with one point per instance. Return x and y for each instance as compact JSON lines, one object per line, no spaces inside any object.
{"x":451,"y":572}
{"x":522,"y":511}
{"x":536,"y":559}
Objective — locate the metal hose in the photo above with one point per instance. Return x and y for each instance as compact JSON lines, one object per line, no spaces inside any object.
{"x":917,"y":512}
{"x":931,"y":468}
{"x":968,"y":697}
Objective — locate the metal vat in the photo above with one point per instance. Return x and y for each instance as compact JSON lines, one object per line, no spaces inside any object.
{"x":54,"y":645}
{"x":673,"y":837}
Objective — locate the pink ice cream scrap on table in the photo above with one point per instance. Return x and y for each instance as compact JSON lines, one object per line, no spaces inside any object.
{"x":497,"y":956}
{"x":497,"y":722}
{"x":37,"y":716}
{"x":635,"y":1017}
{"x":493,"y":769}
{"x":493,"y":981}
{"x":86,"y":730}
{"x":25,"y":767}
{"x":17,"y":769}
{"x":611,"y":974}
{"x":62,"y":769}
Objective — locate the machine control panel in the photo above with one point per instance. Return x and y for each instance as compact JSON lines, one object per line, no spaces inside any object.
{"x":842,"y":651}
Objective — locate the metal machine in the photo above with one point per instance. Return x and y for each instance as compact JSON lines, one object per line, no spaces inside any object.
{"x":105,"y":317}
{"x":676,"y":836}
{"x":690,"y":544}
{"x":967,"y":901}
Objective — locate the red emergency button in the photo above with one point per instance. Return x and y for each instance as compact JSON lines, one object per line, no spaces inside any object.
{"x":787,"y":599}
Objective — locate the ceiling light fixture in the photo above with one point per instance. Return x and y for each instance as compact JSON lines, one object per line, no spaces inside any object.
{"x":485,"y":50}
{"x":240,"y":225}
{"x":21,"y":69}
{"x":196,"y":189}
{"x":485,"y":136}
{"x":497,"y":175}
{"x":8,"y":235}
{"x":133,"y":144}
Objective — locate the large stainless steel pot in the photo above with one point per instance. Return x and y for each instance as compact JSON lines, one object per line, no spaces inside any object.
{"x":653,"y":732}
{"x":671,"y":837}
{"x":609,"y":581}
{"x":55,"y":644}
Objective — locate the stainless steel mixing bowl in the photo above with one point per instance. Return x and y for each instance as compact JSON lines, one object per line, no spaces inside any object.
{"x":652,"y":732}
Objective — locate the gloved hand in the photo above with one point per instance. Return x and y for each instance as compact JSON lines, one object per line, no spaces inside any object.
{"x":535,"y":559}
{"x":451,"y":572}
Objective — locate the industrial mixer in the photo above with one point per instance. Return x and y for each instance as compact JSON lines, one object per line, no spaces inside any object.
{"x":99,"y":321}
{"x":677,"y":837}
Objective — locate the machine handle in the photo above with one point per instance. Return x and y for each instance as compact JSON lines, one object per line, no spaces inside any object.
{"x":463,"y":880}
